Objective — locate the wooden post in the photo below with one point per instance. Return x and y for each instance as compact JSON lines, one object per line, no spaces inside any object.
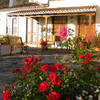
{"x":31,"y":29}
{"x":89,"y":24}
{"x":46,"y":26}
{"x":78,"y":28}
{"x":26,"y":29}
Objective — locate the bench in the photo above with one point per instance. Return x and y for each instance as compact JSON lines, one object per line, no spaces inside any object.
{"x":17,"y":46}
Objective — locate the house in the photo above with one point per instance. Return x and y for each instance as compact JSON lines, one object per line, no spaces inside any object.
{"x":43,"y":19}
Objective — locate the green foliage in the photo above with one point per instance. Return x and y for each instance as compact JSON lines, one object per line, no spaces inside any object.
{"x":5,"y":3}
{"x":96,"y":41}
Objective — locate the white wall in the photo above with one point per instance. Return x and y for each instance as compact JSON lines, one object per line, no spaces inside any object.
{"x":22,"y":28}
{"x":72,"y":23}
{"x":72,"y":3}
{"x":2,"y":23}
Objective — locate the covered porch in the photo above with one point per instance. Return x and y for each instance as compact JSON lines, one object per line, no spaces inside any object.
{"x":45,"y":23}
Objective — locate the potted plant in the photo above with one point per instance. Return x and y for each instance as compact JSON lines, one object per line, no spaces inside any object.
{"x":43,"y":45}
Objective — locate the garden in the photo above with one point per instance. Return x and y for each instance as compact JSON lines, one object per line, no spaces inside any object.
{"x":75,"y":80}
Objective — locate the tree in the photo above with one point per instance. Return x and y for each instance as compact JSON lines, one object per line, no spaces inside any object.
{"x":5,"y":3}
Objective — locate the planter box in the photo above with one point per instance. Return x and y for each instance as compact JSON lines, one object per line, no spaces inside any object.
{"x":16,"y":50}
{"x":5,"y":50}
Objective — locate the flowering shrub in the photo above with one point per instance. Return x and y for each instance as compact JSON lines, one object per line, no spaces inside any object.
{"x":43,"y":43}
{"x":54,"y":82}
{"x":66,"y":34}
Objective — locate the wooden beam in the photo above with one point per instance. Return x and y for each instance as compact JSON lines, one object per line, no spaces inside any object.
{"x":69,"y":14}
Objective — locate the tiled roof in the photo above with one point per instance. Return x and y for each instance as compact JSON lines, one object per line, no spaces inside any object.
{"x":46,"y":11}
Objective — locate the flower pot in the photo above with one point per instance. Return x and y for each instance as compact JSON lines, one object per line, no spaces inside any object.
{"x":5,"y":49}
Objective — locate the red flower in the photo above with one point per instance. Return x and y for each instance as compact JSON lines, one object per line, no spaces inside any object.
{"x":45,"y":42}
{"x":28,"y":60}
{"x":81,"y":57}
{"x":25,"y":67}
{"x":15,"y":70}
{"x":98,"y":68}
{"x":44,"y":86}
{"x":66,"y":67}
{"x":88,"y":56}
{"x":85,"y":62}
{"x":39,"y":59}
{"x":6,"y":95}
{"x":52,"y":68}
{"x":55,"y":57}
{"x":54,"y":79}
{"x":41,"y":42}
{"x":67,"y":98}
{"x":54,"y":96}
{"x":33,"y":62}
{"x":59,"y":66}
{"x":12,"y":87}
{"x":23,"y":73}
{"x":57,"y":82}
{"x":52,"y":76}
{"x":44,"y":67}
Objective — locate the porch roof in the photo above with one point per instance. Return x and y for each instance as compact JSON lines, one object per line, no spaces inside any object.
{"x":54,"y":11}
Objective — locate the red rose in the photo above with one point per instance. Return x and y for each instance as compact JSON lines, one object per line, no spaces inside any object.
{"x":57,"y":82}
{"x":23,"y":73}
{"x":12,"y":87}
{"x":55,"y":57}
{"x":33,"y":62}
{"x":54,"y":96}
{"x":44,"y":67}
{"x":25,"y":67}
{"x":52,"y":68}
{"x":81,"y":57}
{"x":45,"y":42}
{"x":44,"y":86}
{"x":85,"y":62}
{"x":66,"y":67}
{"x":67,"y":98}
{"x":6,"y":95}
{"x":15,"y":70}
{"x":41,"y":43}
{"x":28,"y":60}
{"x":39,"y":59}
{"x":98,"y":68}
{"x":88,"y":56}
{"x":59,"y":66}
{"x":52,"y":76}
{"x":54,"y":79}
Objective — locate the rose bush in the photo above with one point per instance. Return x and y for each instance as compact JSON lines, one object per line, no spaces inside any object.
{"x":54,"y":82}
